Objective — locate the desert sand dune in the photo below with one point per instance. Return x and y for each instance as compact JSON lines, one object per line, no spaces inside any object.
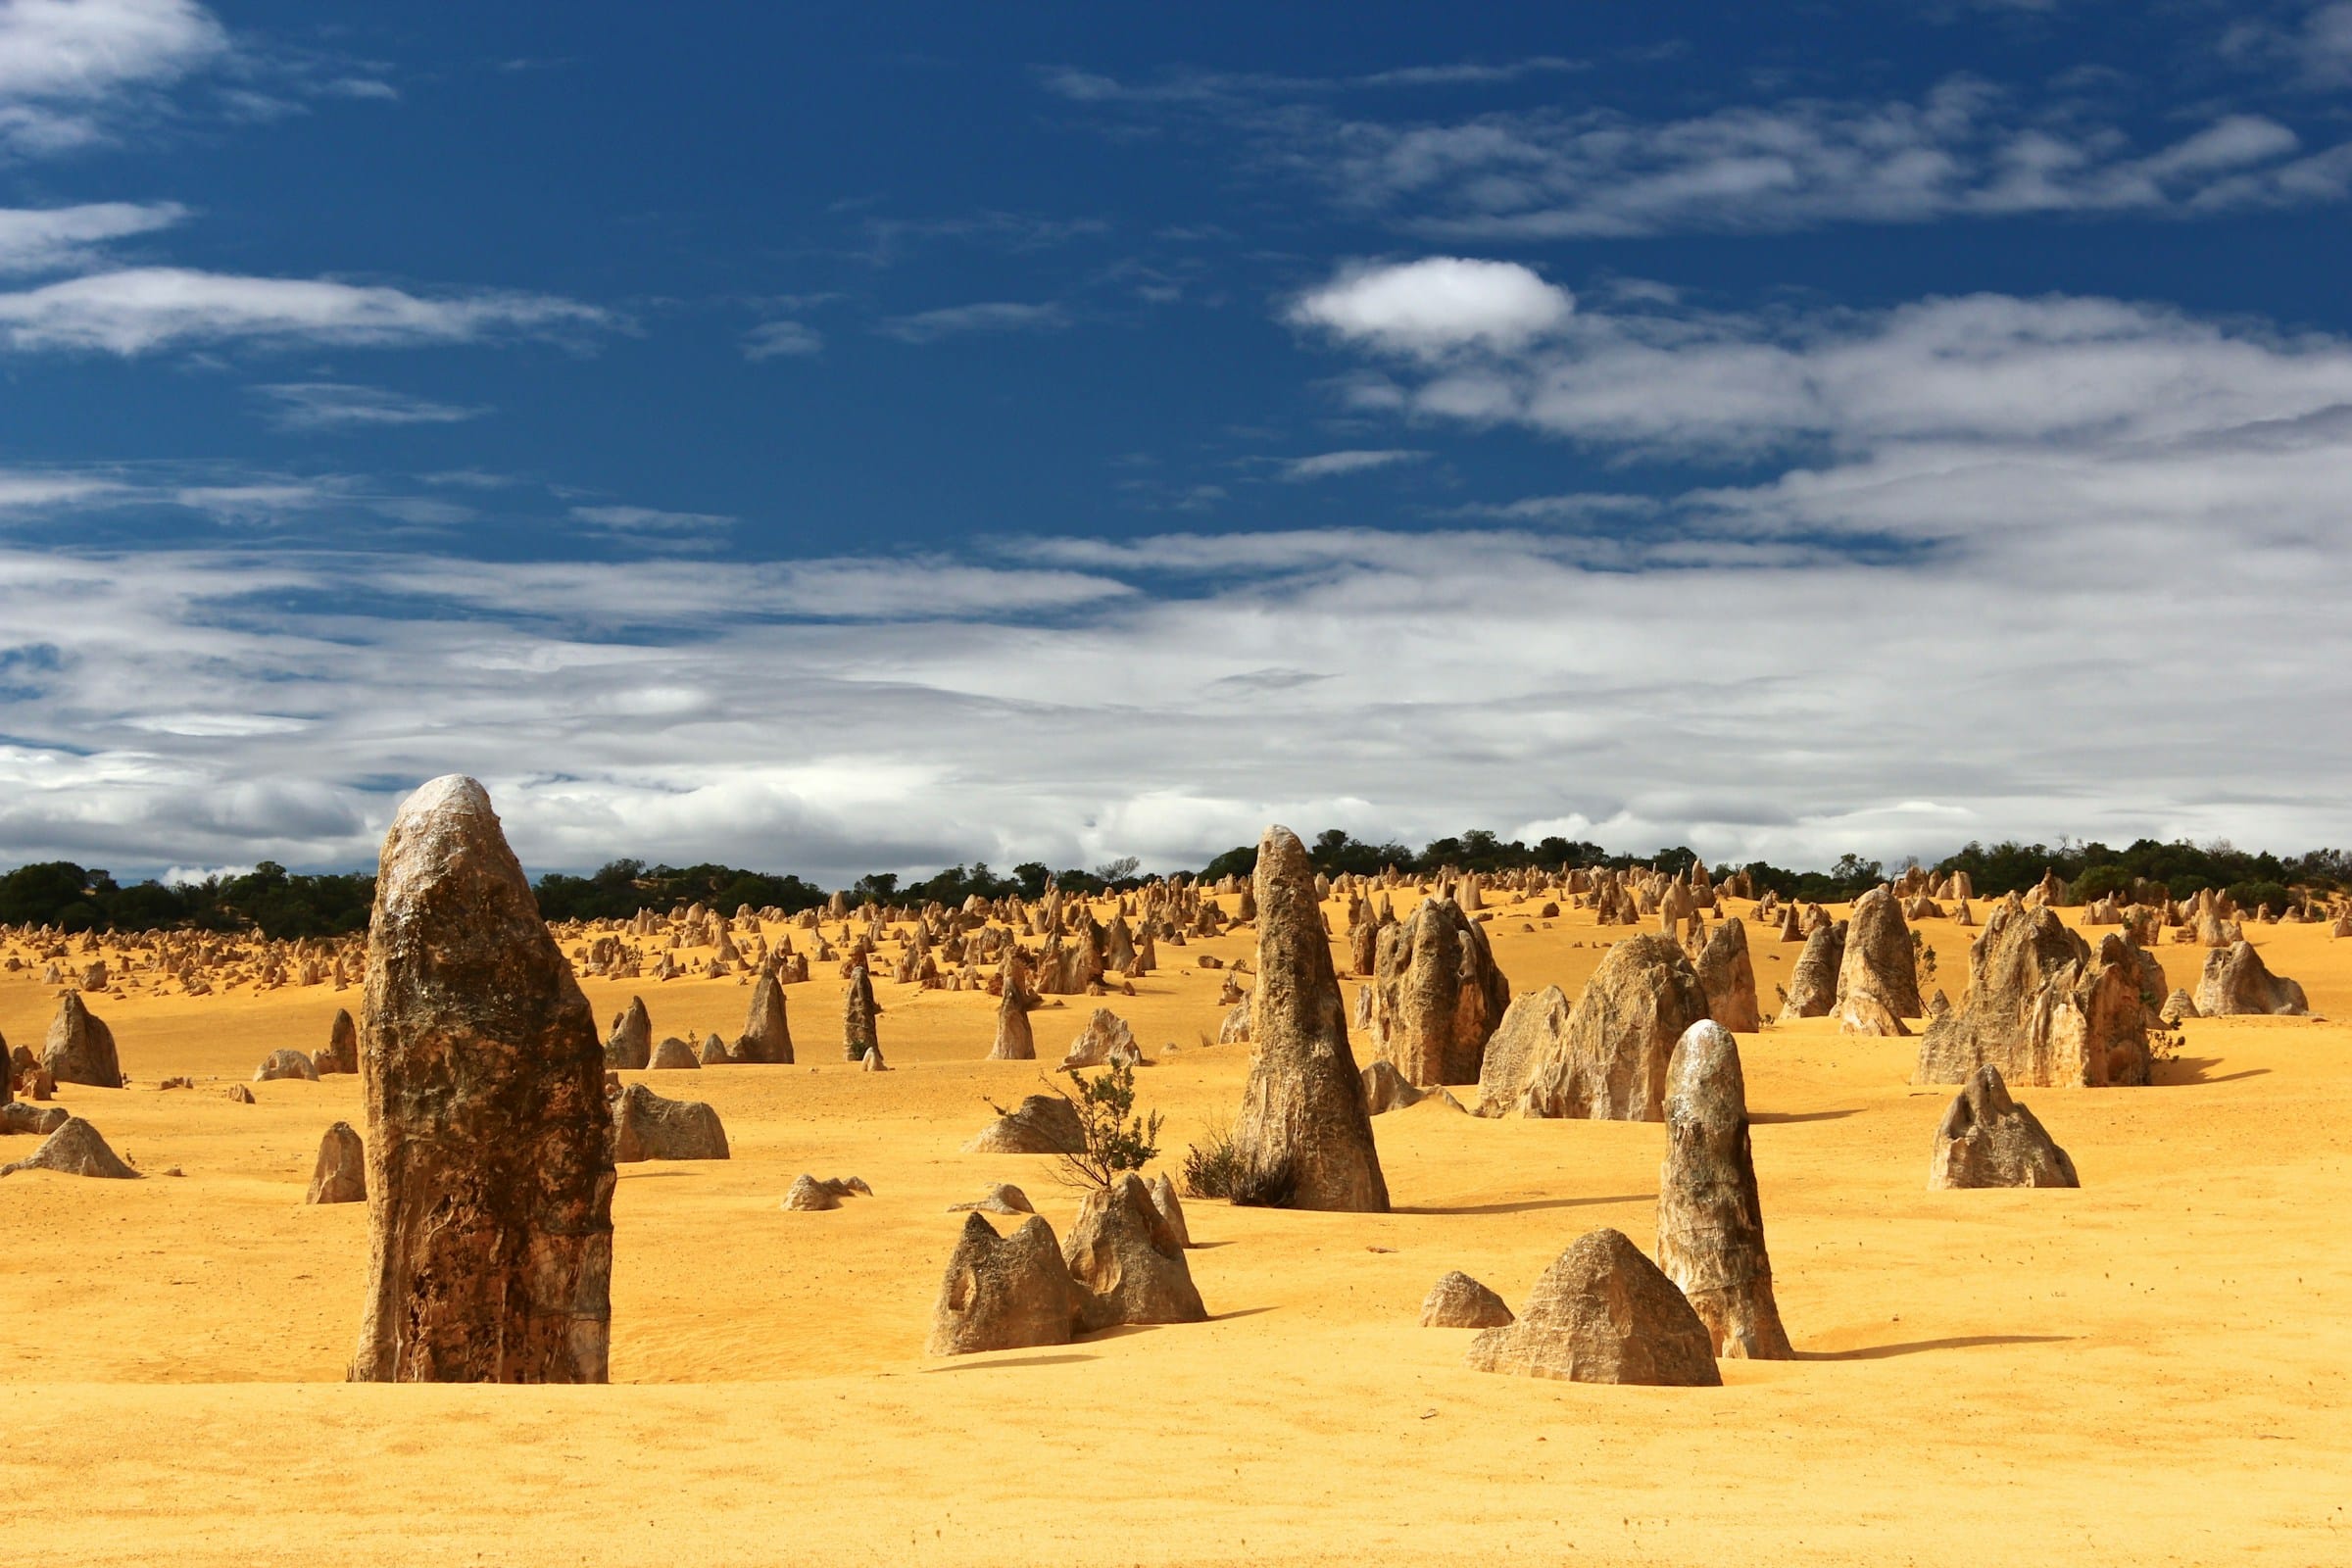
{"x":2152,"y":1367}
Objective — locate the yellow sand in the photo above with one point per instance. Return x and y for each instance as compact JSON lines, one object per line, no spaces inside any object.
{"x":2152,"y":1369}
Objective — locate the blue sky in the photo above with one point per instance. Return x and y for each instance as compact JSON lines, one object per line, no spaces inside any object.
{"x":899,"y":436}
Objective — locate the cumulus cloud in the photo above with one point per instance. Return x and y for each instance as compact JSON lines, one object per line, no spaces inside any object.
{"x":140,"y":310}
{"x":1436,"y":305}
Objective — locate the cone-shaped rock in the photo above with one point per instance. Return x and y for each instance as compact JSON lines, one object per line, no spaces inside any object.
{"x":1710,"y":1224}
{"x":857,"y":1014}
{"x":1131,"y":1261}
{"x":630,"y":1045}
{"x":1385,"y":1090}
{"x":1436,"y":995}
{"x":1304,"y":1139}
{"x":1532,"y":1028}
{"x":2235,"y":981}
{"x":341,"y":1174}
{"x":1458,"y":1301}
{"x":1602,"y":1313}
{"x":766,"y":1037}
{"x":1609,"y":1064}
{"x":1813,"y":984}
{"x":1016,"y":1039}
{"x":1729,"y":978}
{"x":1988,"y":1140}
{"x":1163,"y":1199}
{"x":673,"y":1053}
{"x":1002,"y":1292}
{"x":646,"y":1126}
{"x":1880,"y":964}
{"x":342,"y":1053}
{"x":73,"y":1149}
{"x":489,"y":1165}
{"x":80,"y":1048}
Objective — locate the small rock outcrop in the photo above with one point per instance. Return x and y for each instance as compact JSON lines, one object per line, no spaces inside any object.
{"x":2043,"y":1008}
{"x":1602,"y":1313}
{"x":673,"y":1054}
{"x":1004,"y":1292}
{"x":1128,"y":1258}
{"x":1304,"y":1139}
{"x":80,"y":1048}
{"x":1107,"y":1039}
{"x":489,"y":1161}
{"x":1878,"y":981}
{"x":629,"y":1048}
{"x":285,"y":1064}
{"x":1385,"y":1089}
{"x":1040,"y":1124}
{"x":1001,"y":1197}
{"x":1986,"y":1139}
{"x":76,"y":1149}
{"x":646,"y":1126}
{"x":1710,"y":1223}
{"x":2237,"y":982}
{"x":1436,"y":995}
{"x":340,"y":1175}
{"x":1610,"y":1062}
{"x":1458,"y":1301}
{"x":810,"y":1195}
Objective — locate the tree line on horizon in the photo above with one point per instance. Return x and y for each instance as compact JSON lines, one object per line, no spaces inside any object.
{"x":283,"y":904}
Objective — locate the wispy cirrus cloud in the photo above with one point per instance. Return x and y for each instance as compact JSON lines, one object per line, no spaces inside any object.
{"x":779,"y":340}
{"x":55,"y":239}
{"x":956,"y":321}
{"x":137,"y":311}
{"x":330,"y":405}
{"x":1332,"y":464}
{"x":67,"y":66}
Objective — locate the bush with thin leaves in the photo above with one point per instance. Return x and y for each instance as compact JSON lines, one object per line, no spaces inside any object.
{"x":1112,"y":1138}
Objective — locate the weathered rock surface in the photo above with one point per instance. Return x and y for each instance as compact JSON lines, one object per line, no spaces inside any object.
{"x":1001,"y":1197}
{"x":342,"y":1053}
{"x":76,"y":1149}
{"x":2043,"y":1007}
{"x":284,"y":1064}
{"x":1436,"y":995}
{"x":807,"y":1195}
{"x":1131,"y":1262}
{"x":1016,"y":1039}
{"x":1040,"y":1124}
{"x":1304,"y":1139}
{"x":1609,"y":1064}
{"x":646,"y":1126}
{"x":1163,"y":1199}
{"x":858,"y":1028}
{"x":1729,"y":978}
{"x":1878,"y":981}
{"x":340,"y":1175}
{"x":1710,"y":1223}
{"x":630,"y":1045}
{"x":1986,"y":1139}
{"x":1458,"y":1301}
{"x":1813,"y":983}
{"x":1004,"y":1292}
{"x":489,"y":1165}
{"x":1385,"y":1089}
{"x":1532,"y":1027}
{"x":1602,"y":1313}
{"x":80,"y":1048}
{"x":1105,"y":1039}
{"x":19,"y":1116}
{"x":766,"y":1038}
{"x":2237,"y":982}
{"x":673,"y":1054}
{"x":2178,"y":1006}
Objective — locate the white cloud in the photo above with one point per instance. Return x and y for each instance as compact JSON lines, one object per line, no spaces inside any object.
{"x":1327,"y":465}
{"x":326,"y":404}
{"x":50,"y":239}
{"x":140,"y":310}
{"x":1436,"y":305}
{"x":66,"y":64}
{"x":928,"y":327}
{"x":772,"y":340}
{"x":651,"y":520}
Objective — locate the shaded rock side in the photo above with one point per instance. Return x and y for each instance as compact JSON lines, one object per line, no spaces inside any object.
{"x":1458,"y":1301}
{"x":2237,"y":982}
{"x":646,"y":1126}
{"x":1004,"y":1292}
{"x":1040,"y":1124}
{"x":1129,"y":1259}
{"x":340,"y":1175}
{"x":80,"y":1048}
{"x":1436,"y":995}
{"x":76,"y":1149}
{"x":1729,"y":978}
{"x":629,"y":1048}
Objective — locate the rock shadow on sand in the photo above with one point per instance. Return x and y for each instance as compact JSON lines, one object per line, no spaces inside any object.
{"x":1963,"y":1342}
{"x":1527,"y":1207}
